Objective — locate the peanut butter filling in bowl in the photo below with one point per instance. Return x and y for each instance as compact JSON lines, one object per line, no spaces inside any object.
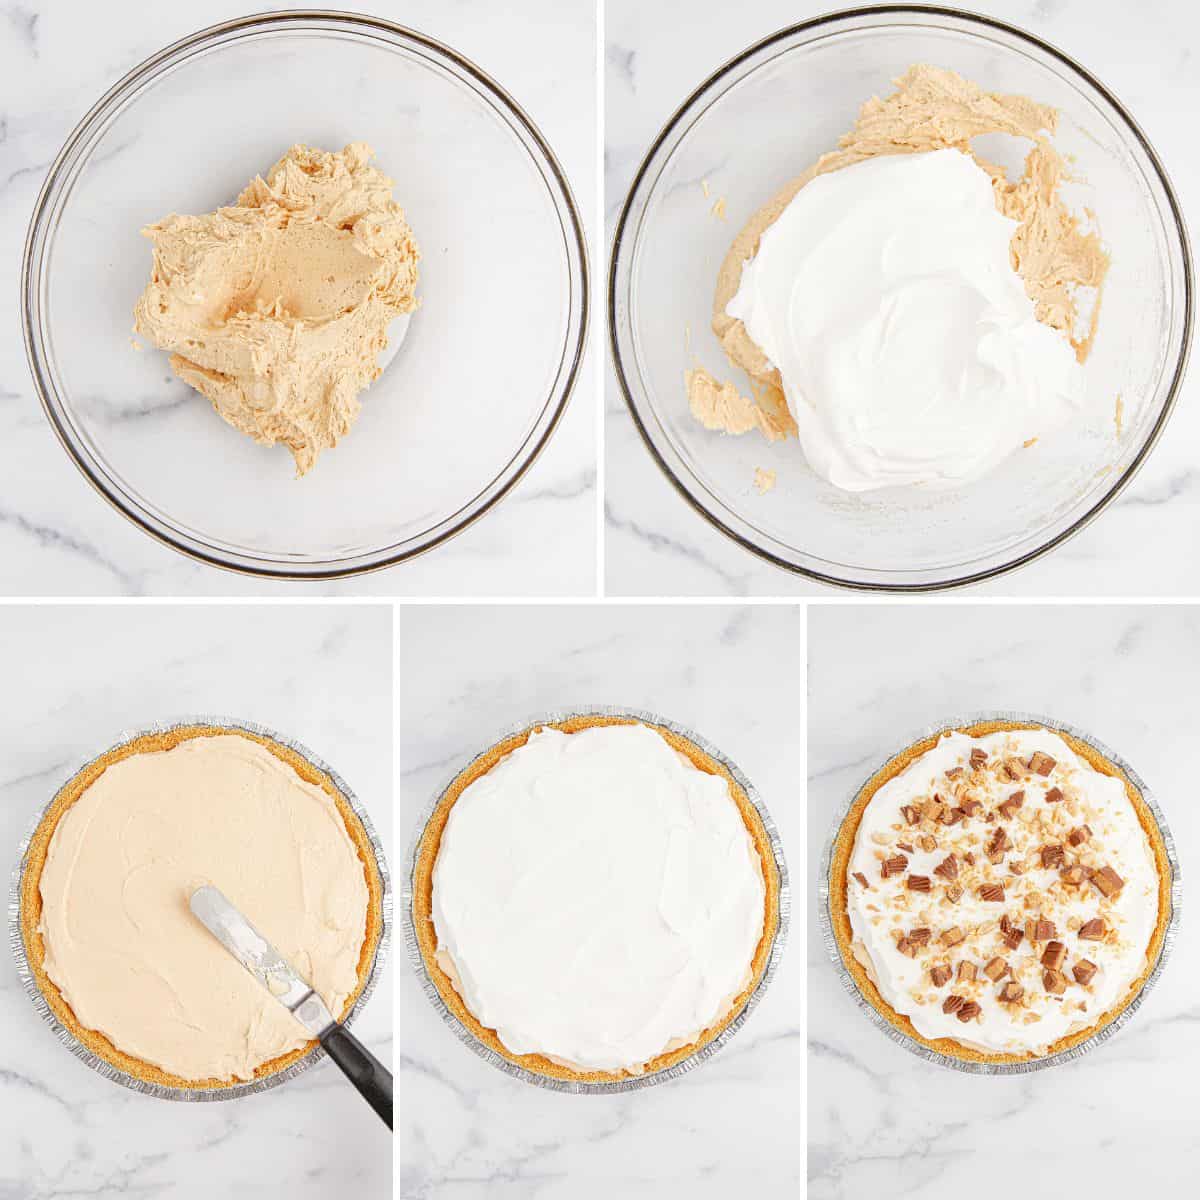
{"x":105,"y":943}
{"x":1000,"y":894}
{"x":586,"y":894}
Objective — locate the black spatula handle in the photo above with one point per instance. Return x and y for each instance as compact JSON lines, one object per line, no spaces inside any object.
{"x":362,"y":1068}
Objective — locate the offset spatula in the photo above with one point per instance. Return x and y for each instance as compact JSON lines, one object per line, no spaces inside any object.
{"x":270,"y":968}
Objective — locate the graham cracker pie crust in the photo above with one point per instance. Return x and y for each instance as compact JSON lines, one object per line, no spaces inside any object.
{"x":422,"y":903}
{"x":31,"y":899}
{"x":838,"y":883}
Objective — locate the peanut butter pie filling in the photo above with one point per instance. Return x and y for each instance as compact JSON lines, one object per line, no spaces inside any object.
{"x":1000,"y":892}
{"x":277,"y":308}
{"x":116,"y":951}
{"x":595,"y":899}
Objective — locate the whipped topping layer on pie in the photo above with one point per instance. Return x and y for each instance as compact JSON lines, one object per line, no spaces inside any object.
{"x":597,"y":898}
{"x":134,"y":966}
{"x":1002,"y":892}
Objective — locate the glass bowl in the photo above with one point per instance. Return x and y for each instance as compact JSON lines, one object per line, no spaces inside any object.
{"x":757,"y":123}
{"x":490,"y":357}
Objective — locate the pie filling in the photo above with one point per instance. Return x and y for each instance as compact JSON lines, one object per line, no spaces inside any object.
{"x":1002,"y":892}
{"x":277,"y":308}
{"x":597,"y":898}
{"x":120,"y":942}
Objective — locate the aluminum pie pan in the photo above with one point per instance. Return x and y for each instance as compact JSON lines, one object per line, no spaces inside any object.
{"x":635,"y":1082}
{"x":103,"y":1066}
{"x":825,"y":917}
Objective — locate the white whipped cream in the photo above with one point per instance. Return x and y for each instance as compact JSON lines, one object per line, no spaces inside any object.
{"x":877,"y":913}
{"x":908,"y":350}
{"x":599,"y":897}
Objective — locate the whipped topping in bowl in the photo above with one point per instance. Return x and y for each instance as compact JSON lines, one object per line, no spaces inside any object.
{"x":597,"y":898}
{"x":1003,"y":894}
{"x":907,"y":347}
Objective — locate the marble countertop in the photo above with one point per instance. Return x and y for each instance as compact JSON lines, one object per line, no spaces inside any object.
{"x":732,"y":1126}
{"x":657,"y":53}
{"x":1121,"y":1120}
{"x":86,"y":676}
{"x":57,"y":537}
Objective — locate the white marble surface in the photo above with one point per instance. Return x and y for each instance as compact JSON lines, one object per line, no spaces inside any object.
{"x":656,"y":54}
{"x":1120,"y":1121}
{"x":86,"y":675}
{"x":57,"y":537}
{"x":732,"y":1127}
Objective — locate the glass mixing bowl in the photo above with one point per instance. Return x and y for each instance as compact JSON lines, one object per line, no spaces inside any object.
{"x":760,"y":121}
{"x":490,"y":357}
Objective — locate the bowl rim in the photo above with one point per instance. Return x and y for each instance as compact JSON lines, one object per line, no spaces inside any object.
{"x":572,"y":355}
{"x":966,"y":579}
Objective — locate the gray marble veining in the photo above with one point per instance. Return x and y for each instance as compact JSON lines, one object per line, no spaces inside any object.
{"x":465,"y":1129}
{"x":85,"y":676}
{"x":1117,"y":1122}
